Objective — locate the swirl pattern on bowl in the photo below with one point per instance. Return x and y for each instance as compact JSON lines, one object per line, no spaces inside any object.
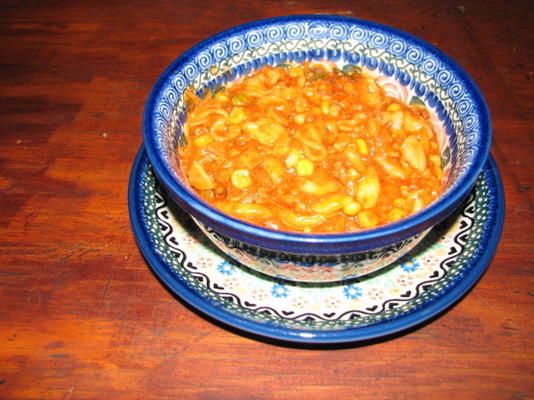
{"x":410,"y":68}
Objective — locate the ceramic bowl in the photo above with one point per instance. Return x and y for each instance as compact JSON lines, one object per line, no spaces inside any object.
{"x":407,"y":67}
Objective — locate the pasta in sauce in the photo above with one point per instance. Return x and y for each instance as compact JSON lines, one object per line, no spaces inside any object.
{"x":310,"y":148}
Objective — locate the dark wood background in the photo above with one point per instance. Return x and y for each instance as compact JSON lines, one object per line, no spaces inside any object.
{"x":81,"y":314}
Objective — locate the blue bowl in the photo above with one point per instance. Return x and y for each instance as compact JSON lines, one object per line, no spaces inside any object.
{"x":408,"y":67}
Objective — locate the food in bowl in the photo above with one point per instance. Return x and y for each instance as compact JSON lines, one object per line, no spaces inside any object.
{"x":311,"y":148}
{"x":409,"y":70}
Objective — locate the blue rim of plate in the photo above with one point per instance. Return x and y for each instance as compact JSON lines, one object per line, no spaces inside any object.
{"x":441,"y":301}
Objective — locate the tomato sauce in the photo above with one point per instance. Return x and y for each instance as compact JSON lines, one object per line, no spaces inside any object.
{"x":310,"y":148}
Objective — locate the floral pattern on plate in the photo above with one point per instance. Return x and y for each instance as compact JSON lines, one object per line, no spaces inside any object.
{"x":436,"y":266}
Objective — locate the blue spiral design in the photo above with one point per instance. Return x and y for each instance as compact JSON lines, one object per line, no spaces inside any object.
{"x":471,"y":139}
{"x":295,"y":31}
{"x":236,"y":45}
{"x":220,"y":51}
{"x":470,"y":123}
{"x":339,"y":32}
{"x":204,"y":59}
{"x":379,"y":40}
{"x":160,"y":124}
{"x":254,"y":38}
{"x":469,"y":153}
{"x":410,"y":64}
{"x":180,"y":82}
{"x":464,"y":107}
{"x":414,"y":55}
{"x":171,"y":95}
{"x":190,"y":71}
{"x":398,"y":47}
{"x":274,"y":33}
{"x":429,"y":66}
{"x":455,"y":90}
{"x":165,"y":110}
{"x":444,"y":77}
{"x":360,"y":35}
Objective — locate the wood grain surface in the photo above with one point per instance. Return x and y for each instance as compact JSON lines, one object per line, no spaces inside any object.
{"x":81,"y":314}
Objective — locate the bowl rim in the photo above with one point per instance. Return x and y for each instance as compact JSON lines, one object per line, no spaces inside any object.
{"x":322,"y":243}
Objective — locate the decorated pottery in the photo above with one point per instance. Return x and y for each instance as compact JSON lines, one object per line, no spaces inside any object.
{"x":407,"y":67}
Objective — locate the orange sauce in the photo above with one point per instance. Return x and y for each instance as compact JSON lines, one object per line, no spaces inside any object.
{"x":310,"y":148}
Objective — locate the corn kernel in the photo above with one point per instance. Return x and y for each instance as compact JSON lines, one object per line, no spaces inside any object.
{"x":399,"y":202}
{"x":203,"y":140}
{"x":367,"y":219}
{"x":296,"y":71}
{"x":393,"y":107}
{"x":362,"y":146}
{"x":241,"y":99}
{"x":352,"y":208}
{"x":221,"y":97}
{"x":352,"y":173}
{"x":396,"y":214}
{"x":299,"y":118}
{"x":304,"y":167}
{"x":241,"y":178}
{"x":237,"y":115}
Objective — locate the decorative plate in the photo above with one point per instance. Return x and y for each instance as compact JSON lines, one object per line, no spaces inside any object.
{"x":433,"y":276}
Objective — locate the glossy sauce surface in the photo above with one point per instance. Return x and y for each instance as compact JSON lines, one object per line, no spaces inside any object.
{"x":311,"y":148}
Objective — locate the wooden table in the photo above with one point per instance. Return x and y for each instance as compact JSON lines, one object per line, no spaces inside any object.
{"x":81,"y":314}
